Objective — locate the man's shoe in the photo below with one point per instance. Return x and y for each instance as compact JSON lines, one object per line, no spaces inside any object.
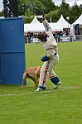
{"x":40,"y":88}
{"x":57,"y":85}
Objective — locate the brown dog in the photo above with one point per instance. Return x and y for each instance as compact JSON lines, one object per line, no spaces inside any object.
{"x":33,"y":73}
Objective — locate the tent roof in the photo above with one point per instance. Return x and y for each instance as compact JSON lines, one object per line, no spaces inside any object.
{"x":63,"y":22}
{"x":35,"y":21}
{"x":34,"y":26}
{"x":79,"y":20}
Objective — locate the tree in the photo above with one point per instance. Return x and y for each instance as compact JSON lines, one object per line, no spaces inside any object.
{"x":28,"y":17}
{"x":53,"y":16}
{"x":37,"y":7}
{"x":64,"y":8}
{"x":1,"y":14}
{"x":75,"y":12}
{"x":50,"y":6}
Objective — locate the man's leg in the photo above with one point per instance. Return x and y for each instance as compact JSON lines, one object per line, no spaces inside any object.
{"x":56,"y":81}
{"x":53,"y":77}
{"x":44,"y":74}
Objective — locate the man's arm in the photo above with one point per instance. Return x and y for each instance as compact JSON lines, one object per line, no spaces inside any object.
{"x":46,"y":25}
{"x":45,"y":58}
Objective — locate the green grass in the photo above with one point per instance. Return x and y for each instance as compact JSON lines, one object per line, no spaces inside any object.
{"x":62,"y":106}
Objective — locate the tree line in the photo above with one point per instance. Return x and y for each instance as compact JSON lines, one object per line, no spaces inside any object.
{"x":30,"y":8}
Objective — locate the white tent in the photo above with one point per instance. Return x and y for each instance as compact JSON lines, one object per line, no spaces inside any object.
{"x":79,"y":20}
{"x":35,"y":21}
{"x":63,"y":22}
{"x":34,"y":26}
{"x":56,"y":27}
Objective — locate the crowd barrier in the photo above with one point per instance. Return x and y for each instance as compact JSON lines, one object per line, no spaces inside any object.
{"x":58,"y":39}
{"x":69,"y":38}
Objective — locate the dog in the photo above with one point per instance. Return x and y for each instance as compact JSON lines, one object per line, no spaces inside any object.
{"x":33,"y":73}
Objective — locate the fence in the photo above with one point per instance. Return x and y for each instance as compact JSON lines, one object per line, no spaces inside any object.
{"x":58,"y":39}
{"x":69,"y":38}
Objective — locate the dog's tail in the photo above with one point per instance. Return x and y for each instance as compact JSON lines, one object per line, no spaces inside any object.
{"x":23,"y":78}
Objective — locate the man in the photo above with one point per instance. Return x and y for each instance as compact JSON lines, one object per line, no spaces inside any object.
{"x":50,"y":59}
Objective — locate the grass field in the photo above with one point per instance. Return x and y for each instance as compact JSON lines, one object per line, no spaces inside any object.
{"x":61,"y":106}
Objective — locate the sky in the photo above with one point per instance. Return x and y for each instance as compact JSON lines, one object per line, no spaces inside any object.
{"x":57,"y":2}
{"x":1,"y":5}
{"x":70,"y":2}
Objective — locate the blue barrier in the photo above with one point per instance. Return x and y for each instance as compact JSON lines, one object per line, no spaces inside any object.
{"x":12,"y":50}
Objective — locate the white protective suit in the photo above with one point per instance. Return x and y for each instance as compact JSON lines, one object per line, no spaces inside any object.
{"x":51,"y":48}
